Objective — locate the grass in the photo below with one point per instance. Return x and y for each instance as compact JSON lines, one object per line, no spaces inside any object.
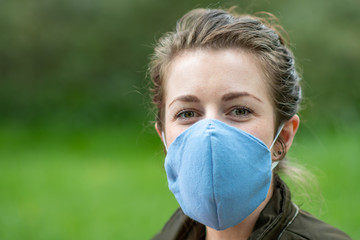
{"x":109,"y":183}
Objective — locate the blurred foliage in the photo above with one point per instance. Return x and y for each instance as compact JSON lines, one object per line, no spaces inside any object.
{"x":84,"y":62}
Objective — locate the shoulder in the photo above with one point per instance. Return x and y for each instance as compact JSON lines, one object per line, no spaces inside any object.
{"x":306,"y":226}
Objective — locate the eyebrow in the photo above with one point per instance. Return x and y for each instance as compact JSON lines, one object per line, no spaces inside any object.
{"x":186,"y":98}
{"x":233,"y":95}
{"x":226,"y":97}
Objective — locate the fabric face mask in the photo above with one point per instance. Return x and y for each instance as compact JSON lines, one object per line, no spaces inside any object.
{"x":219,"y":174}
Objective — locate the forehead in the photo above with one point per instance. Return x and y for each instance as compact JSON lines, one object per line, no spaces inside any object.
{"x":207,"y":73}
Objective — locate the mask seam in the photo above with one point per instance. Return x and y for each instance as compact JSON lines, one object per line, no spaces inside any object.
{"x":212,"y":177}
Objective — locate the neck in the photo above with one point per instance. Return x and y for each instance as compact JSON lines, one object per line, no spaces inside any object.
{"x":244,"y":229}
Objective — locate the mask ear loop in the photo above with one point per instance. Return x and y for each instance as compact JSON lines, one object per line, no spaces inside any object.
{"x":164,"y":139}
{"x":274,"y":164}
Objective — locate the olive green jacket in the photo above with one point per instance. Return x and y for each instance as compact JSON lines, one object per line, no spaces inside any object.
{"x":280,"y":219}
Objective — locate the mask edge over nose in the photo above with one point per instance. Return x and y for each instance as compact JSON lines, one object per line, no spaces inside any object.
{"x":272,"y":144}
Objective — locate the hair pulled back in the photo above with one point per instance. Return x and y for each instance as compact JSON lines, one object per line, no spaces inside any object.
{"x":219,"y":29}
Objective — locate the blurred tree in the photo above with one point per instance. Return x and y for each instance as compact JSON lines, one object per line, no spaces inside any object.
{"x":84,"y":62}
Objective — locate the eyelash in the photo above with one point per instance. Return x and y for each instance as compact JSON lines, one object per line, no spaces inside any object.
{"x":182,"y":111}
{"x":248,"y":110}
{"x":240,"y":107}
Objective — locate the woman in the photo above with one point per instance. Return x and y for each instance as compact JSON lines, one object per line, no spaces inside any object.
{"x":227,"y":93}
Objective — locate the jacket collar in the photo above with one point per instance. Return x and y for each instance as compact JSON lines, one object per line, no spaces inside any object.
{"x":276,"y":215}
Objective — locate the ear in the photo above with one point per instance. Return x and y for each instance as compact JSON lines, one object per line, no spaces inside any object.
{"x":158,"y":131}
{"x":289,"y":131}
{"x":287,"y":135}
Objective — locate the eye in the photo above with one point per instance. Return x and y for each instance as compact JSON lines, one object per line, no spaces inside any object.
{"x":240,"y":112}
{"x":185,"y":114}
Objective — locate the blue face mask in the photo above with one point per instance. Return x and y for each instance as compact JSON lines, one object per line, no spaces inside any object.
{"x":219,"y":174}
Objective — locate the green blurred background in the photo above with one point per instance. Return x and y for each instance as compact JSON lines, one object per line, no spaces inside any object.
{"x":79,"y":157}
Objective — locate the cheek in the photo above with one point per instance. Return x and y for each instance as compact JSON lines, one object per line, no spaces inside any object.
{"x":171,"y":132}
{"x":265,"y":138}
{"x":264,"y":133}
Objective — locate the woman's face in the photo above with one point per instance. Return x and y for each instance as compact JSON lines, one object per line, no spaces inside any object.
{"x":227,"y":85}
